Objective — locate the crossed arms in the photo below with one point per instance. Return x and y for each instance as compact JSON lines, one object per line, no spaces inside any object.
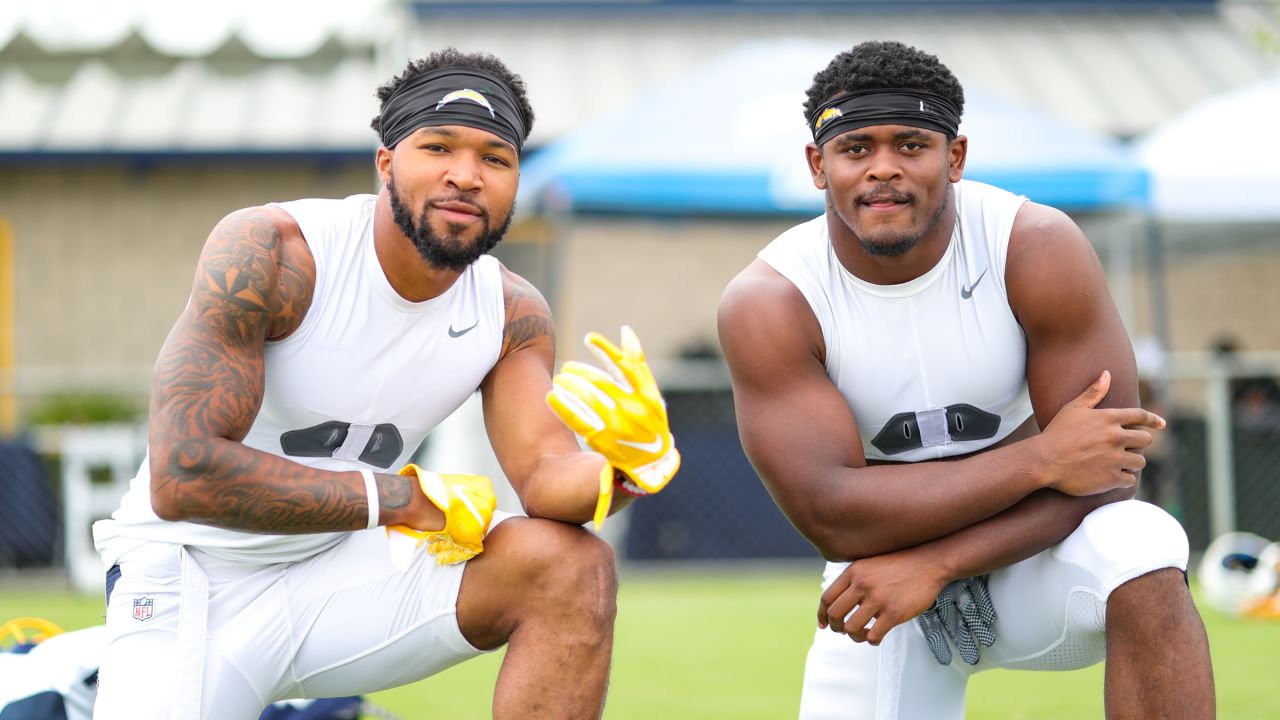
{"x":917,"y":526}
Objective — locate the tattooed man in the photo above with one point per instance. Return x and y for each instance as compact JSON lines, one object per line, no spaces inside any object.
{"x":268,"y":548}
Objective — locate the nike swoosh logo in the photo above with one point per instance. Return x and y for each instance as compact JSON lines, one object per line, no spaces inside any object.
{"x":652,"y":447}
{"x":966,"y":292}
{"x":461,"y":492}
{"x":459,"y":333}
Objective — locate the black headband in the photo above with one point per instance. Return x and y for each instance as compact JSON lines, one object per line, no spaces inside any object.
{"x":452,"y":96}
{"x":888,"y":106}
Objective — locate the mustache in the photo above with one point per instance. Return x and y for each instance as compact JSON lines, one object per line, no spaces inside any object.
{"x":884,"y":193}
{"x":460,"y":199}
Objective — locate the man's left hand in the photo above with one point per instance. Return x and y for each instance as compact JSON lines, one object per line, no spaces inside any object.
{"x":467,"y":501}
{"x":887,"y":589}
{"x":621,"y":414}
{"x":964,"y":615}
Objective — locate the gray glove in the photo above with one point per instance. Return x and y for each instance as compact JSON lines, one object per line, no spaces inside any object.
{"x":963,"y":614}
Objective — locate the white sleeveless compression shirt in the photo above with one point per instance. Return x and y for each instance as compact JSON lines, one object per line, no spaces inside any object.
{"x":358,"y":385}
{"x":933,"y":367}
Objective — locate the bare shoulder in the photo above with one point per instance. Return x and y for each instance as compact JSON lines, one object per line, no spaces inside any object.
{"x":1042,"y":237}
{"x":1052,"y":268}
{"x":762,"y":310}
{"x":256,"y":271}
{"x":760,"y":289}
{"x":1036,"y":224}
{"x":254,"y":280}
{"x":528,"y":316}
{"x":261,"y":229}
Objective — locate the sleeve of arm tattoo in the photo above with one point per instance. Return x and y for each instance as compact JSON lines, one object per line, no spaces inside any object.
{"x":254,"y":281}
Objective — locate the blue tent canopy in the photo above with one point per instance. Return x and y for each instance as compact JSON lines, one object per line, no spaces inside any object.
{"x":729,"y":137}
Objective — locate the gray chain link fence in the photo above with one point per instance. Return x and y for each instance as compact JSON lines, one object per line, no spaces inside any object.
{"x":1217,"y":469}
{"x":717,"y":508}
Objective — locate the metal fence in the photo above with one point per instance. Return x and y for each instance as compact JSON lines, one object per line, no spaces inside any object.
{"x":1217,"y":469}
{"x":716,"y":508}
{"x":29,"y":515}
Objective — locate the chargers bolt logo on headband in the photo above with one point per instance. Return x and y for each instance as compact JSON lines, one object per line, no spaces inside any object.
{"x":432,"y":99}
{"x":466,"y":94}
{"x":828,"y":114}
{"x":885,"y":106}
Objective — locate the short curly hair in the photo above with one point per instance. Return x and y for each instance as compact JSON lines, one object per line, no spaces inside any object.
{"x":450,"y":58}
{"x":882,"y":64}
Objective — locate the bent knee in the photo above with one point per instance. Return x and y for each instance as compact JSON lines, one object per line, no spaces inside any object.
{"x":559,"y":556}
{"x":1124,"y":540}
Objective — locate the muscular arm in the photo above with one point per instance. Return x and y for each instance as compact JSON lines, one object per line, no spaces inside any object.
{"x":538,"y":454}
{"x":801,"y":437}
{"x":1058,"y":293}
{"x":253,"y":282}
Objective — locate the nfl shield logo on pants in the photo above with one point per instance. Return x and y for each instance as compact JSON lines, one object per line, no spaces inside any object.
{"x":142,"y":608}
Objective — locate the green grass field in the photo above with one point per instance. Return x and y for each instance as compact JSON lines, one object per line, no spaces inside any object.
{"x":725,"y":642}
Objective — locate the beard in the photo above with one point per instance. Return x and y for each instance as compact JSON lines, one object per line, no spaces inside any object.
{"x":448,"y":252}
{"x":892,"y":246}
{"x":895,"y":244}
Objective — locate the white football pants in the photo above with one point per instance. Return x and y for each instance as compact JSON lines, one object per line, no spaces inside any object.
{"x":1051,"y":615}
{"x":193,"y":636}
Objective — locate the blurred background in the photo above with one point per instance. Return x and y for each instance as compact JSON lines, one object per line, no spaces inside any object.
{"x":668,"y":146}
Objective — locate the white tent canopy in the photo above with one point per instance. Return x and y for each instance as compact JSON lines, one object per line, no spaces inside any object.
{"x":1219,"y":161}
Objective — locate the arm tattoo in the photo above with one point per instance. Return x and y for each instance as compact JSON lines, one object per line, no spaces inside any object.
{"x":528,"y":315}
{"x":231,"y":290}
{"x":207,"y":390}
{"x":395,"y":491}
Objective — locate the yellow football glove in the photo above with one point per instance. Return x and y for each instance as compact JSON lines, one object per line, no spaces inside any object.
{"x":467,"y":502}
{"x":621,"y":415}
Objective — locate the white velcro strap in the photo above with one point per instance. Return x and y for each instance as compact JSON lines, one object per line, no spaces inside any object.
{"x":933,"y":427}
{"x":659,"y":472}
{"x":193,"y":619}
{"x":371,"y":490}
{"x":357,"y":439}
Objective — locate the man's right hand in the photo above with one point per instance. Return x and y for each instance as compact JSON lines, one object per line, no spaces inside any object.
{"x":1087,"y":450}
{"x":873,"y":595}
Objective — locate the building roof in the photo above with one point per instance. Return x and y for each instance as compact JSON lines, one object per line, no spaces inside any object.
{"x":297,"y":76}
{"x":266,"y":28}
